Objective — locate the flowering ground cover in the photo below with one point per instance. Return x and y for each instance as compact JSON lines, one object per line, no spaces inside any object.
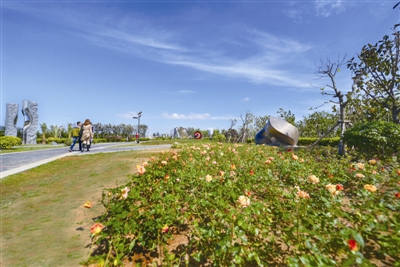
{"x":244,"y":205}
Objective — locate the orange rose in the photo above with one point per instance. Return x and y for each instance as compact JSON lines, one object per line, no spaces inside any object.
{"x":370,"y":188}
{"x":88,"y":204}
{"x":302,"y":194}
{"x":339,"y":187}
{"x":313,"y":179}
{"x":140,"y":169}
{"x":360,"y":175}
{"x":96,"y":228}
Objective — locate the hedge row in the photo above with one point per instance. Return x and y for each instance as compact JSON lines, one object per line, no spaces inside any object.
{"x":7,"y":142}
{"x":68,"y":141}
{"x":306,"y":141}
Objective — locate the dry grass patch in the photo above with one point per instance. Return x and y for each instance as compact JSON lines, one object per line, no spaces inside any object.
{"x":43,"y":222}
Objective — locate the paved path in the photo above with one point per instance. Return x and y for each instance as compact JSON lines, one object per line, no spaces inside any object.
{"x":12,"y":163}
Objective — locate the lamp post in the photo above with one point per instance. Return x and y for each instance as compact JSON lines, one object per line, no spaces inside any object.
{"x":138,"y":125}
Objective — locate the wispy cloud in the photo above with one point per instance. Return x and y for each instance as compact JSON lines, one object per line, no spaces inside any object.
{"x":179,"y":93}
{"x":257,"y":57}
{"x":194,"y":116}
{"x":326,"y":8}
{"x":127,"y":115}
{"x":191,"y":116}
{"x":133,"y":39}
{"x":245,"y":99}
{"x":185,"y":92}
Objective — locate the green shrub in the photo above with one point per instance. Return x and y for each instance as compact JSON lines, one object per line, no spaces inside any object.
{"x":50,"y":140}
{"x":374,"y":138}
{"x":99,"y":140}
{"x":247,"y":205}
{"x":219,"y":138}
{"x":7,"y":142}
{"x":306,"y":141}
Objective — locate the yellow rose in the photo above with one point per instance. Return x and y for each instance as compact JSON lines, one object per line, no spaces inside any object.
{"x":370,"y":188}
{"x":360,"y":175}
{"x":244,"y":201}
{"x":313,"y":179}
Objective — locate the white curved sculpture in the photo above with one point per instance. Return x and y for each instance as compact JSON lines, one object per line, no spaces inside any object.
{"x":210,"y":132}
{"x":277,"y":132}
{"x":29,"y":110}
{"x":11,"y":119}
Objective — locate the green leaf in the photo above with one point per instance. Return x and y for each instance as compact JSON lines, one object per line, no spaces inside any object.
{"x":132,"y":244}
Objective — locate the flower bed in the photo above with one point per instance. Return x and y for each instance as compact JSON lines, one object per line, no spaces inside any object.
{"x":246,"y":205}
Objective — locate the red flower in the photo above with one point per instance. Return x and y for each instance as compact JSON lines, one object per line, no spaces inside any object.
{"x":397,"y":195}
{"x":165,"y":229}
{"x":352,"y":245}
{"x":251,"y":172}
{"x":339,"y":187}
{"x":289,"y":150}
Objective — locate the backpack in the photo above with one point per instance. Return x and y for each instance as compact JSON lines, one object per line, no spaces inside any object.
{"x":81,"y":132}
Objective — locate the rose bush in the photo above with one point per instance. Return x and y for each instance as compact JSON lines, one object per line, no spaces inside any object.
{"x":245,"y":205}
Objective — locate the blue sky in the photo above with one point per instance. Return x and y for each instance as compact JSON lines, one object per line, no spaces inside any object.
{"x":182,"y":63}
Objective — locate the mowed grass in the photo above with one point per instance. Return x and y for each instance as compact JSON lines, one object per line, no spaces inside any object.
{"x":24,"y":148}
{"x":43,"y":221}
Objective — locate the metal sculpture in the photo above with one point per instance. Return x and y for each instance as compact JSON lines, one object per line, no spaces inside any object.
{"x":29,"y":110}
{"x":11,"y":119}
{"x":277,"y":132}
{"x":197,"y":135}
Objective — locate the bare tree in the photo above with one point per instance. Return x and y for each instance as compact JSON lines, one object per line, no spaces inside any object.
{"x":247,"y":120}
{"x":329,"y":69}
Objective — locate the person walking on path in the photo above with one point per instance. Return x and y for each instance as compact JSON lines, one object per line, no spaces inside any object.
{"x":76,"y":137}
{"x":87,"y":134}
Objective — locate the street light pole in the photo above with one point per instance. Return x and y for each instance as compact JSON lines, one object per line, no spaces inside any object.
{"x":138,"y":125}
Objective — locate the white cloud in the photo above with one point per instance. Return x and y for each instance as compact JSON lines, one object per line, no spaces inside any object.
{"x":264,"y":58}
{"x":224,"y":118}
{"x":191,"y":116}
{"x":255,"y":74}
{"x":186,"y":92}
{"x":194,"y":116}
{"x":245,"y":99}
{"x":146,"y":41}
{"x":293,"y":13}
{"x":127,"y":115}
{"x":327,"y":7}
